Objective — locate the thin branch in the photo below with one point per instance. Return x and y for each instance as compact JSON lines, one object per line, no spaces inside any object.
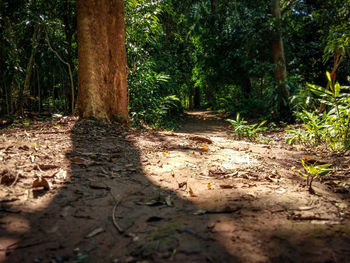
{"x":69,"y":69}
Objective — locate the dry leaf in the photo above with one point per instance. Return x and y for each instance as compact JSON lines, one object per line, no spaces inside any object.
{"x":190,"y":191}
{"x":307,"y":158}
{"x":168,"y":200}
{"x":41,"y":182}
{"x":209,"y":186}
{"x":201,"y":139}
{"x":45,"y":167}
{"x":76,"y":160}
{"x":7,"y":178}
{"x":205,"y":148}
{"x":182,"y":184}
{"x":281,"y":191}
{"x":61,"y":174}
{"x":226,"y":186}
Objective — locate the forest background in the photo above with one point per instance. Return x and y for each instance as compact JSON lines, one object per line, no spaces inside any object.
{"x":258,"y":58}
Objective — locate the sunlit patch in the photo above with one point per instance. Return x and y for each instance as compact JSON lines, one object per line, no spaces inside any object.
{"x":15,"y":224}
{"x":7,"y":244}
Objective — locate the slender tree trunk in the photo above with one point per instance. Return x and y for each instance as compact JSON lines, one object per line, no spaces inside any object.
{"x":246,"y":84}
{"x":25,"y":86}
{"x":197,"y":98}
{"x":279,"y":60}
{"x":69,"y":31}
{"x":102,"y":86}
{"x":39,"y":88}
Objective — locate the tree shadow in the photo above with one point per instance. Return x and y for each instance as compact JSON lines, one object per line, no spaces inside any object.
{"x":111,"y":211}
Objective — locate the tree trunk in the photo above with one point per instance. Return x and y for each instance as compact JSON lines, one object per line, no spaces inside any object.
{"x":102,"y":86}
{"x":280,"y":73}
{"x":246,"y":84}
{"x":25,"y":86}
{"x":197,"y":98}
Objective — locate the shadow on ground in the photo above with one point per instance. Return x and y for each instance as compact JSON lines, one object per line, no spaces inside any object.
{"x":111,"y":211}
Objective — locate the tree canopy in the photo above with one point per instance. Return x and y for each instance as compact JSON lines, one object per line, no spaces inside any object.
{"x":194,"y":54}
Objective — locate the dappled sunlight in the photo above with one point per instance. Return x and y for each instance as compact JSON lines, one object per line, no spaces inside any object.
{"x":15,"y":224}
{"x":160,"y":196}
{"x":7,"y":244}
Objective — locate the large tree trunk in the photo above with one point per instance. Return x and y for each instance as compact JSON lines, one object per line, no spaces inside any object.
{"x":102,"y":86}
{"x":279,"y":59}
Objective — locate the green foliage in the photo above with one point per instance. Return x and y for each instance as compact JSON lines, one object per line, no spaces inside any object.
{"x":312,"y":171}
{"x":331,"y":127}
{"x":242,"y":129}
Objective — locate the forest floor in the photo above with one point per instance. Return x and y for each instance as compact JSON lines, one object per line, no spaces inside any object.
{"x":82,"y":191}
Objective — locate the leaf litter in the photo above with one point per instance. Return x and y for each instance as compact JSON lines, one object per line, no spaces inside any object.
{"x":108,"y":192}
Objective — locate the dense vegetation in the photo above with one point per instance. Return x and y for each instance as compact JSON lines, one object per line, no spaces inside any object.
{"x":191,"y":54}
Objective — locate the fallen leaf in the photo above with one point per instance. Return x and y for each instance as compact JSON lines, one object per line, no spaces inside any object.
{"x":41,"y":182}
{"x":209,"y":186}
{"x":201,"y":139}
{"x":45,"y":167}
{"x":190,"y":191}
{"x":168,"y":201}
{"x":307,"y":158}
{"x":281,"y":191}
{"x":226,"y":186}
{"x":95,"y":232}
{"x":61,"y":174}
{"x":7,"y":177}
{"x":182,"y":184}
{"x":205,"y":148}
{"x":76,"y":160}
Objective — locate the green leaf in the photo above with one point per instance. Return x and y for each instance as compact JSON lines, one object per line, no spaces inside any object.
{"x":336,"y":89}
{"x":329,"y":76}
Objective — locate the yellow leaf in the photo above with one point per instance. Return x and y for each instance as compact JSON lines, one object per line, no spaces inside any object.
{"x":204,"y":119}
{"x":164,"y":153}
{"x":307,"y":158}
{"x":190,"y":191}
{"x":205,"y":148}
{"x":4,"y":122}
{"x":209,"y":186}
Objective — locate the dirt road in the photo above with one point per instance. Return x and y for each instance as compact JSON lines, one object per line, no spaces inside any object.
{"x":111,"y":194}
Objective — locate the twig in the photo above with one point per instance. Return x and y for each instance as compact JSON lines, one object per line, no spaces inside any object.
{"x":15,"y":181}
{"x":115,"y":223}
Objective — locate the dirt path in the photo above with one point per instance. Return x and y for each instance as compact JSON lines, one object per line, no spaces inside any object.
{"x":108,"y":194}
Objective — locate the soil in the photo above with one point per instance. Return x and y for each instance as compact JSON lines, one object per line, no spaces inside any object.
{"x":84,"y":191}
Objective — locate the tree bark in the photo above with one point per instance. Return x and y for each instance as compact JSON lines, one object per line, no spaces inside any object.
{"x":278,"y":56}
{"x":102,"y":85}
